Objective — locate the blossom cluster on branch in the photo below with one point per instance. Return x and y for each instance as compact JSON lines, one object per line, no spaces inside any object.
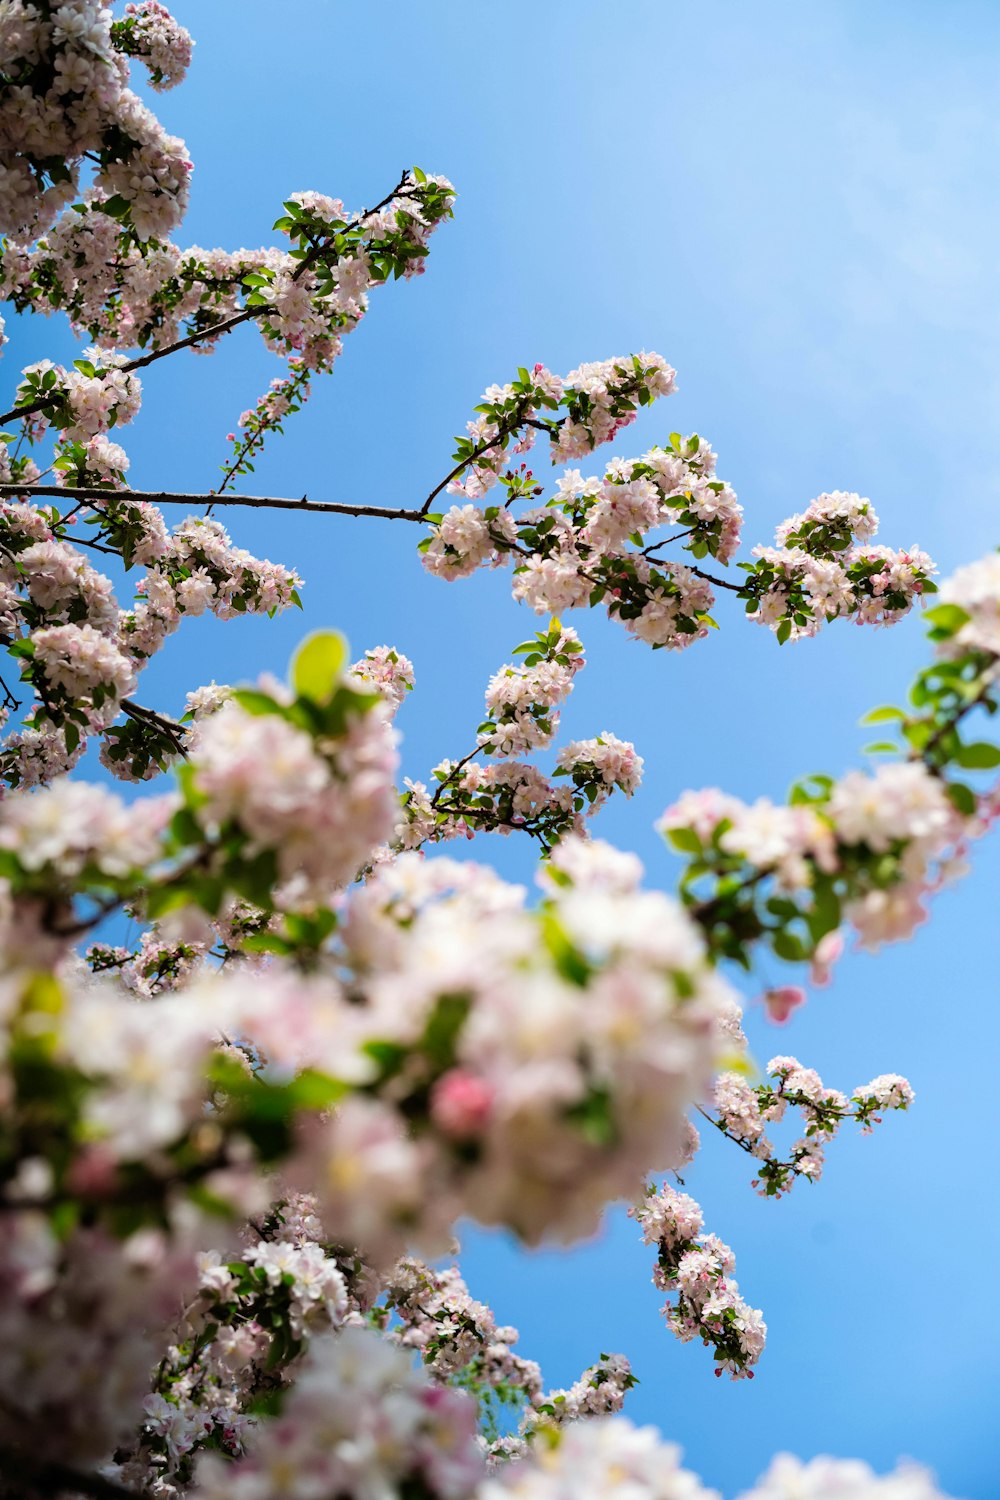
{"x":66,"y":97}
{"x":744,"y":1111}
{"x":698,"y":1268}
{"x":870,"y":848}
{"x":587,"y":546}
{"x":508,"y":793}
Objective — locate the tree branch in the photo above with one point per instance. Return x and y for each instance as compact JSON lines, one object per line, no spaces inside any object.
{"x":721,"y":583}
{"x":176,"y":497}
{"x":170,"y":728}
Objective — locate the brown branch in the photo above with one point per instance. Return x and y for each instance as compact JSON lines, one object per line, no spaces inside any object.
{"x":81,"y":925}
{"x":722,"y":583}
{"x":176,"y":497}
{"x":169,"y":728}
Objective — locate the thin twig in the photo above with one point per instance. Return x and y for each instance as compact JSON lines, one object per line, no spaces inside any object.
{"x":173,"y":731}
{"x":665,"y":541}
{"x":722,"y":583}
{"x":9,"y":701}
{"x":456,"y":768}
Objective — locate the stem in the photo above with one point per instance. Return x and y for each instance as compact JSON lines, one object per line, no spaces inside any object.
{"x":95,"y":546}
{"x":84,"y":924}
{"x":702,"y":911}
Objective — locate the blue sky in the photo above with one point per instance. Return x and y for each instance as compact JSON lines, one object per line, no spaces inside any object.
{"x":796,"y":205}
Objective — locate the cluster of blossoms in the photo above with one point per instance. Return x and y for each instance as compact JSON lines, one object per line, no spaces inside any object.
{"x":460,"y":1344}
{"x":80,"y":654}
{"x":454,"y":1334}
{"x":97,"y":463}
{"x":243,"y":1339}
{"x":586,"y":547}
{"x":520,"y":1066}
{"x":358,"y":1422}
{"x":496,"y":798}
{"x":607,"y":1457}
{"x":974,"y":591}
{"x":823,"y":566}
{"x":867,"y":849}
{"x":253,"y":1318}
{"x":615,"y":1460}
{"x":159,"y":963}
{"x":304,"y":801}
{"x":506,"y":793}
{"x":848,"y":1479}
{"x":744,"y":1112}
{"x":78,"y":828}
{"x":98,"y":393}
{"x":149,"y":33}
{"x":66,"y":97}
{"x":599,"y":1392}
{"x":201,"y":570}
{"x":521,"y":701}
{"x":388,"y":670}
{"x":596,"y":400}
{"x":304,"y":300}
{"x":698,"y":1267}
{"x":582,"y":1024}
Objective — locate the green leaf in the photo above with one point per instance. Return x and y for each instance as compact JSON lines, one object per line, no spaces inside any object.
{"x":443,"y":1026}
{"x":314,"y":1090}
{"x":685,"y":840}
{"x":946,"y":619}
{"x":594,"y":1117}
{"x":317,"y":665}
{"x":789,"y":947}
{"x":784,"y":631}
{"x":881,"y":715}
{"x":979,"y":757}
{"x":963,"y":798}
{"x":252,"y":701}
{"x":825,"y":914}
{"x":164,"y":899}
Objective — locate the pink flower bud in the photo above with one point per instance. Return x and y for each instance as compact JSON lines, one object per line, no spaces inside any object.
{"x":94,"y":1173}
{"x":782,"y":1001}
{"x":828,"y":950}
{"x":461,"y":1103}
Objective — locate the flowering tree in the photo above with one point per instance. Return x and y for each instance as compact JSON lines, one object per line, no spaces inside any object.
{"x":224,"y":1147}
